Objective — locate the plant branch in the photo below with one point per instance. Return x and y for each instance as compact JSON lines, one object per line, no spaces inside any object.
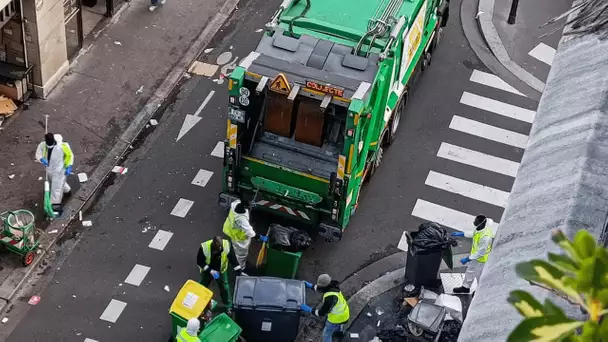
{"x":559,"y":294}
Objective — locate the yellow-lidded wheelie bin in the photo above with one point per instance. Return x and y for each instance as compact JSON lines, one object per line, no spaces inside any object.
{"x":190,"y":302}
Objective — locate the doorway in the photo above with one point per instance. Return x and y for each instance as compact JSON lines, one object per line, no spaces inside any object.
{"x":93,"y":11}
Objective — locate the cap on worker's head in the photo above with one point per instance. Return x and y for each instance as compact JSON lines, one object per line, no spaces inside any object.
{"x":193,"y":326}
{"x":480,"y":221}
{"x":323,"y":280}
{"x":49,"y":138}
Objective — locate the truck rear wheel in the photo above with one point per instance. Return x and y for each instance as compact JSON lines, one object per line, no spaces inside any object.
{"x":396,"y":119}
{"x":376,"y":162}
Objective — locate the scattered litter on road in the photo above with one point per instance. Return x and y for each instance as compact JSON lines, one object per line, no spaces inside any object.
{"x":167,"y":288}
{"x":478,"y":14}
{"x":34,"y":300}
{"x":12,"y":164}
{"x":187,"y":76}
{"x":119,"y":284}
{"x":208,"y":50}
{"x":4,"y":320}
{"x":259,"y":30}
{"x":82,"y":177}
{"x":369,"y":314}
{"x":120,"y":169}
{"x":87,"y":223}
{"x":139,"y":90}
{"x":378,"y":324}
{"x":153,"y":122}
{"x":80,"y":216}
{"x":11,"y":176}
{"x":231,"y":47}
{"x":78,"y":334}
{"x":39,"y":178}
{"x":354,"y":335}
{"x":54,"y":231}
{"x":379,"y":311}
{"x":116,"y":42}
{"x":73,"y":296}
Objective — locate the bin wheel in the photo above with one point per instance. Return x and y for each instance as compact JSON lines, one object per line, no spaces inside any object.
{"x":28,"y":258}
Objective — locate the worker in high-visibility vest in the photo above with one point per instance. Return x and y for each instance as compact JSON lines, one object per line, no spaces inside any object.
{"x":213,"y":259}
{"x":482,"y":236}
{"x":190,"y":333}
{"x":57,"y":157}
{"x":240,"y":231}
{"x":334,"y":305}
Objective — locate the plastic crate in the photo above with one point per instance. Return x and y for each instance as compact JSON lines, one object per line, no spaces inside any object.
{"x":282,"y":264}
{"x":220,"y":329}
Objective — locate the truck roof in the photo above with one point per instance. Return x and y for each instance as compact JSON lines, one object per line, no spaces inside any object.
{"x":348,"y":19}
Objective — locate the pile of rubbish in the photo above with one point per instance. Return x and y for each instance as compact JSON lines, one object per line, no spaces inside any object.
{"x":288,"y":238}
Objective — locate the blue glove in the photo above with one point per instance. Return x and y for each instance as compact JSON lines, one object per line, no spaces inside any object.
{"x":215,"y":274}
{"x":263,"y":238}
{"x":305,"y":308}
{"x":68,"y":170}
{"x":464,"y":260}
{"x":458,"y":234}
{"x":309,"y":285}
{"x":44,"y":161}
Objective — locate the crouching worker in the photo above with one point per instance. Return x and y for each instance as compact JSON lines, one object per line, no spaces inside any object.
{"x":334,"y":306}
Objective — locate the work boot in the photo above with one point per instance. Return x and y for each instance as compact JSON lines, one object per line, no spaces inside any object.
{"x":461,"y":289}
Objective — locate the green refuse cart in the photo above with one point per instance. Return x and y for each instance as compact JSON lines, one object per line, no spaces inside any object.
{"x":220,"y":329}
{"x":282,"y":264}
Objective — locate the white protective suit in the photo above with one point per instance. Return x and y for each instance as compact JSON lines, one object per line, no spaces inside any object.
{"x":474,"y":267}
{"x":241,"y":248}
{"x":61,"y":158}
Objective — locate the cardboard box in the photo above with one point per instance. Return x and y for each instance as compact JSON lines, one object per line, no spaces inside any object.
{"x":14,"y":91}
{"x":12,"y":31}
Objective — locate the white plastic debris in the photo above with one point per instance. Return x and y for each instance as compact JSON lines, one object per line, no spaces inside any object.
{"x":116,"y":42}
{"x":4,"y":320}
{"x":167,"y":288}
{"x":80,"y":215}
{"x":369,"y":314}
{"x":208,"y":50}
{"x":378,"y":324}
{"x":379,"y":311}
{"x":82,"y":177}
{"x":140,"y":90}
{"x":73,"y":296}
{"x":87,"y":223}
{"x":39,"y":178}
{"x":120,"y":169}
{"x":153,"y":122}
{"x":259,"y":30}
{"x":54,"y":231}
{"x":478,"y":14}
{"x":11,"y":176}
{"x":354,"y":335}
{"x":231,"y":47}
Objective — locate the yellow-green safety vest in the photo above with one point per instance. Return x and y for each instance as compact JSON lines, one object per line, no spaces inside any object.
{"x":232,"y":230}
{"x":206,"y":246}
{"x":340,"y":313}
{"x":183,"y":336}
{"x":476,"y":237}
{"x":68,"y":156}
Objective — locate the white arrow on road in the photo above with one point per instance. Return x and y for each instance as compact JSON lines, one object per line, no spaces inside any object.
{"x":193,"y":119}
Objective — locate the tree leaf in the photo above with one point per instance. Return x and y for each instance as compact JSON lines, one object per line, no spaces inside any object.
{"x":566,"y":245}
{"x":525,"y":303}
{"x":584,"y":243}
{"x":551,"y":309}
{"x":563,"y":262}
{"x":543,"y":329}
{"x":603,"y":330}
{"x":590,"y":331}
{"x":542,"y":272}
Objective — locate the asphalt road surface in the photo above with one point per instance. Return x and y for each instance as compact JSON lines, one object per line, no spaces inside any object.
{"x":456,"y":156}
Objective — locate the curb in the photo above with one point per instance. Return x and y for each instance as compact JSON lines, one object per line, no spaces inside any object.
{"x":493,"y":40}
{"x":388,"y":281}
{"x":13,"y":284}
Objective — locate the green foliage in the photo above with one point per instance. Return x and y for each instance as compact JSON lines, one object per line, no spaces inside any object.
{"x":580,"y":276}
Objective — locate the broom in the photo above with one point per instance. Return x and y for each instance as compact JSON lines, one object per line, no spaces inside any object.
{"x":48,"y":206}
{"x":262,"y":253}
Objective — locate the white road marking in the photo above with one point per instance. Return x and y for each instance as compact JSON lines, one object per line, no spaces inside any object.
{"x":478,"y":159}
{"x":202,"y":178}
{"x":468,"y":189}
{"x":113,"y":311}
{"x":492,"y":81}
{"x":444,"y":216}
{"x":543,"y":53}
{"x":160,"y":240}
{"x":137,"y":275}
{"x":489,"y":132}
{"x":191,"y":120}
{"x":218,"y":150}
{"x":90,"y":340}
{"x":182,"y":207}
{"x":500,"y":108}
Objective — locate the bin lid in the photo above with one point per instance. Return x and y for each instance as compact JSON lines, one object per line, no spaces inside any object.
{"x":191,"y":300}
{"x":269,"y":292}
{"x":220,"y":329}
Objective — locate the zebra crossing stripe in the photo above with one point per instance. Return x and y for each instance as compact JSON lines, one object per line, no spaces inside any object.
{"x":478,"y":159}
{"x":489,"y":132}
{"x":445,"y":216}
{"x":543,"y":53}
{"x":467,"y":189}
{"x":497,"y":107}
{"x":492,"y":81}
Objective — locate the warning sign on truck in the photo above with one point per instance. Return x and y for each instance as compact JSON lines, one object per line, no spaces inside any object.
{"x":280,"y":85}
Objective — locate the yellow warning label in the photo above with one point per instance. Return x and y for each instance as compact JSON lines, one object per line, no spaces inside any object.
{"x":280,"y":85}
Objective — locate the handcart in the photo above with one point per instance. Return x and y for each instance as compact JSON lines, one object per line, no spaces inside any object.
{"x":18,"y":234}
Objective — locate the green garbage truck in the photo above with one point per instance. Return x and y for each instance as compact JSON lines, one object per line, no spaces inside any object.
{"x":312,"y":109}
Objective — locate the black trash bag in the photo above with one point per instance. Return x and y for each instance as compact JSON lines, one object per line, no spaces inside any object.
{"x":450,"y":331}
{"x":432,"y":237}
{"x":288,"y":238}
{"x":396,"y":334}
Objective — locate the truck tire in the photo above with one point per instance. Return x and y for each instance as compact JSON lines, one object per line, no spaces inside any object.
{"x":376,"y":162}
{"x":396,"y":119}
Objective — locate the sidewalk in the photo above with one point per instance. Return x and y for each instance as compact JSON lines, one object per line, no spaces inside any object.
{"x":123,"y":79}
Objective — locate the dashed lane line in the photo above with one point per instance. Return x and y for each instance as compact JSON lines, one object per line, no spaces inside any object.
{"x":182,"y":207}
{"x":113,"y":311}
{"x":218,"y":150}
{"x":137,"y":275}
{"x":202,"y":178}
{"x":160,"y":240}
